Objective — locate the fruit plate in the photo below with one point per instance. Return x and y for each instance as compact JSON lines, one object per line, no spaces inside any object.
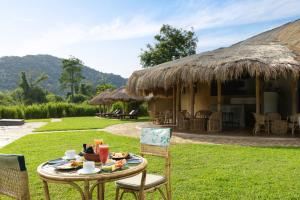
{"x":67,"y":166}
{"x":119,"y":155}
{"x":112,"y":168}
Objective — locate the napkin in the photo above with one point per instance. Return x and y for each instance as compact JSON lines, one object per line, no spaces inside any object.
{"x":57,"y":162}
{"x":134,"y":159}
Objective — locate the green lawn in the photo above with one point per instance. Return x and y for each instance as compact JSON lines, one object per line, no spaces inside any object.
{"x":81,"y":123}
{"x":199,"y":171}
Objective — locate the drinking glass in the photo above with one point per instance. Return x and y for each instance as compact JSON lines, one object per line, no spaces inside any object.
{"x":103,"y":152}
{"x":97,"y":142}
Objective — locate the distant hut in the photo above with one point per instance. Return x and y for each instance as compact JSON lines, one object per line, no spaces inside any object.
{"x":233,"y":79}
{"x":121,"y":94}
{"x":102,"y":99}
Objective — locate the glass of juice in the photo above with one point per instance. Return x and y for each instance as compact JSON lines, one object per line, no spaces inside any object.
{"x":97,"y":142}
{"x":103,"y":152}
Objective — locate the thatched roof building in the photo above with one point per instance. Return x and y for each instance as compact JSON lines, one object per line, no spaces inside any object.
{"x":272,"y":54}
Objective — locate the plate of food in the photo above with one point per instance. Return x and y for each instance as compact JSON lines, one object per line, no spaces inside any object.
{"x":70,"y":165}
{"x":120,"y":164}
{"x":119,"y":155}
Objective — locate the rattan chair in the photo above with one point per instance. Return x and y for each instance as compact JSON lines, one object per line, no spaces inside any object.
{"x":273,"y":116}
{"x":154,"y":142}
{"x":203,"y":114}
{"x":261,"y":123}
{"x":183,"y":120}
{"x":279,"y":127}
{"x":13,"y":177}
{"x":215,"y":122}
{"x":168,"y":117}
{"x":293,"y":123}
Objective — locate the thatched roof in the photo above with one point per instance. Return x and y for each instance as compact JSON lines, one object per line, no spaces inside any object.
{"x":109,"y":96}
{"x":101,"y":98}
{"x":270,"y":54}
{"x":121,"y":94}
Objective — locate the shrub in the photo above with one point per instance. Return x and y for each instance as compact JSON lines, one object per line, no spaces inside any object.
{"x":49,"y":110}
{"x":78,"y":98}
{"x":117,"y":105}
{"x":54,"y":98}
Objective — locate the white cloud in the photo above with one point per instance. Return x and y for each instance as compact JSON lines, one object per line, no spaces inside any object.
{"x":138,"y":26}
{"x":197,"y":14}
{"x":240,"y":12}
{"x":52,"y":40}
{"x":201,"y":15}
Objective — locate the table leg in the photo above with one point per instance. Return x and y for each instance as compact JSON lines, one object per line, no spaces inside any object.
{"x":46,"y":189}
{"x":87,"y":190}
{"x":100,"y":191}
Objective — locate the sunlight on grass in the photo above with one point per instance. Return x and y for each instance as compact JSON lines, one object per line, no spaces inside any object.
{"x":198,"y":171}
{"x":81,"y":123}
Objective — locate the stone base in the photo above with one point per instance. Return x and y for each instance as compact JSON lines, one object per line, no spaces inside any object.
{"x":11,"y":122}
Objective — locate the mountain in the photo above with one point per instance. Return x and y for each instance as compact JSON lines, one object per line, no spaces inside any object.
{"x":34,"y":65}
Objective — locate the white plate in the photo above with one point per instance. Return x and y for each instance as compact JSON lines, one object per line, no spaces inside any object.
{"x":67,"y":158}
{"x":83,"y":172}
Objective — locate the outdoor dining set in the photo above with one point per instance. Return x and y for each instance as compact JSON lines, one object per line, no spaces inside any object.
{"x":93,"y":167}
{"x":203,"y":120}
{"x":208,"y":121}
{"x":273,"y":123}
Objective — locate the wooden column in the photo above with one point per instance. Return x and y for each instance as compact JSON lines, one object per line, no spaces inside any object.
{"x":174,"y":105}
{"x":178,"y":100}
{"x":294,"y":88}
{"x":124,"y":107}
{"x":192,"y":100}
{"x":219,"y":97}
{"x":257,"y":91}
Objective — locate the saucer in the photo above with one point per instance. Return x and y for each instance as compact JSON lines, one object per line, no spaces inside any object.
{"x":68,"y":158}
{"x":83,"y":172}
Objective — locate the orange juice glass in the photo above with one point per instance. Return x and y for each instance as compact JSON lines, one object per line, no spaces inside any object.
{"x":98,"y":141}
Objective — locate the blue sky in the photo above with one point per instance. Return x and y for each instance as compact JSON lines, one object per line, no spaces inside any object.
{"x":108,"y":35}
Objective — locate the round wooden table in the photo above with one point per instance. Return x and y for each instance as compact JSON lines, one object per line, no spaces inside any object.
{"x":48,"y":174}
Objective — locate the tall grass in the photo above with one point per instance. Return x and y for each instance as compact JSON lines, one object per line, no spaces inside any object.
{"x":49,"y":110}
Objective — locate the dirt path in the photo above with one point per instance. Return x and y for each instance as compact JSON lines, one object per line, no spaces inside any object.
{"x":134,"y":129}
{"x":9,"y":134}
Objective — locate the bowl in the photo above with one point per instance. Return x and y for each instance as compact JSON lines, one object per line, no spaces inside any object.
{"x":91,"y":157}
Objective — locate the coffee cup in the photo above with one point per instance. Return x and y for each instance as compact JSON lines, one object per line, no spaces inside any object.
{"x":88,"y":166}
{"x":70,"y":154}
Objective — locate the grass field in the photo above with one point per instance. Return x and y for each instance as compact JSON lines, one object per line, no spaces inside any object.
{"x":81,"y":123}
{"x":198,"y":171}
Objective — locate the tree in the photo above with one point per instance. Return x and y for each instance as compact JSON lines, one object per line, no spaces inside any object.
{"x":71,"y":75}
{"x":102,"y":87}
{"x":54,"y":98}
{"x":32,"y":92}
{"x":171,"y":43}
{"x":86,"y":89}
{"x":6,"y":99}
{"x":18,"y":95}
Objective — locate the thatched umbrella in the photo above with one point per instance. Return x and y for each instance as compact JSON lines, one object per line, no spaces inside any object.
{"x":272,"y":54}
{"x":101,"y":99}
{"x":121,"y":94}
